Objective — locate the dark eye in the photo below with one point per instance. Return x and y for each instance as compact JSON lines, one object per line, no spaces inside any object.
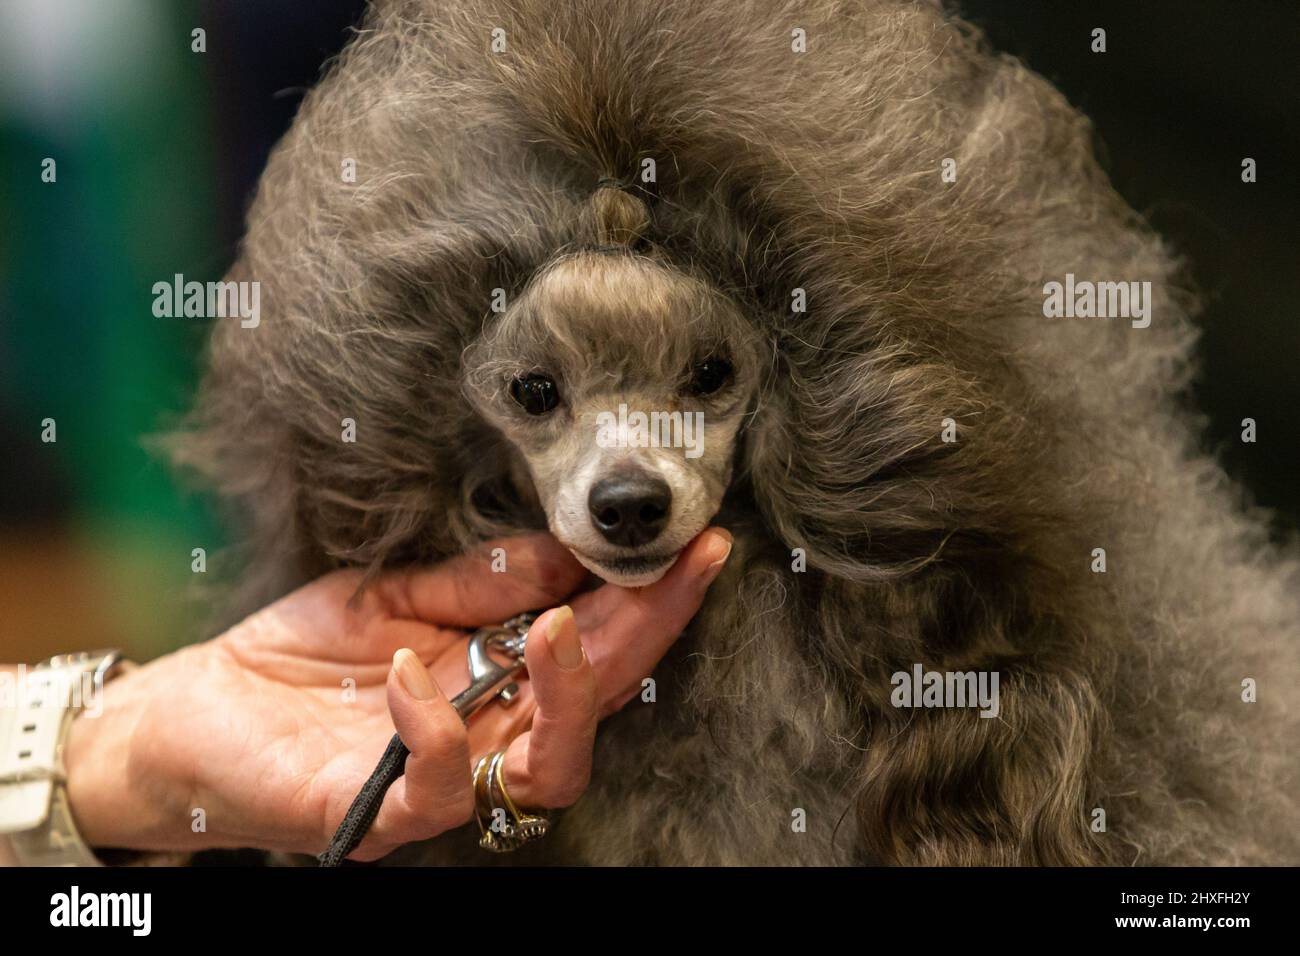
{"x":710,"y":375}
{"x":535,"y":394}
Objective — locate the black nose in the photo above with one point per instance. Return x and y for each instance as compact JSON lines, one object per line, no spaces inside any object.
{"x":630,"y":510}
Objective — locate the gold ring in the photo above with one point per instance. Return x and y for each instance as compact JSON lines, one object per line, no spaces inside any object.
{"x":502,"y":825}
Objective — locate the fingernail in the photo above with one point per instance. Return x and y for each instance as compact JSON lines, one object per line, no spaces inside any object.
{"x":413,"y":675}
{"x":562,"y":635}
{"x":719,"y":550}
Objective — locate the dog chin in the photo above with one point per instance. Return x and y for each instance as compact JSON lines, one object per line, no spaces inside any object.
{"x":635,"y":572}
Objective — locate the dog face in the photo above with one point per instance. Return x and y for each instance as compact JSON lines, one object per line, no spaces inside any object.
{"x":623,"y":384}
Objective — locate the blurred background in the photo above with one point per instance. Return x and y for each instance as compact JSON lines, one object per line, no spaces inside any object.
{"x":158,"y":149}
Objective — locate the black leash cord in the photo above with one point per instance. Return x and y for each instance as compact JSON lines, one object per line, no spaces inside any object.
{"x":366,"y":804}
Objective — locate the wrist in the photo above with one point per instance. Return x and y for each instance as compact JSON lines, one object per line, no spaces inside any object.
{"x":117,"y":798}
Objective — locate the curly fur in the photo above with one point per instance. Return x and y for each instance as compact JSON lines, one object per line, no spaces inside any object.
{"x":779,"y":170}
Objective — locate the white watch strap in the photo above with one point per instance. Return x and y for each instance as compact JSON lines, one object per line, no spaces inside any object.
{"x":34,"y":806}
{"x":56,"y":841}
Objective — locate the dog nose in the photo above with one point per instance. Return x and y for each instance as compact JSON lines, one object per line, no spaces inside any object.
{"x":630,"y":510}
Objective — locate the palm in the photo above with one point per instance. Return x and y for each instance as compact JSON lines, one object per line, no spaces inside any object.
{"x":302,"y":693}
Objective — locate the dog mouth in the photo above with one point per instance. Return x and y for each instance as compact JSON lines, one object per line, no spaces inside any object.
{"x":639,"y":564}
{"x":631,"y":571}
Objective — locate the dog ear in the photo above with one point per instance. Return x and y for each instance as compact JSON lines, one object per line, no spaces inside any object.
{"x":849,"y":458}
{"x":947,"y":786}
{"x":860,"y":453}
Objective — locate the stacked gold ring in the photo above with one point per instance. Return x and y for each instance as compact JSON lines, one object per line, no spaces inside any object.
{"x":503,"y":826}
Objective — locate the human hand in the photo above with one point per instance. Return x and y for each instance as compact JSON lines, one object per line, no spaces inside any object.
{"x":258,"y":730}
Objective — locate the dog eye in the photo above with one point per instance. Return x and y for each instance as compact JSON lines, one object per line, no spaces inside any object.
{"x":710,"y":375}
{"x":535,"y":394}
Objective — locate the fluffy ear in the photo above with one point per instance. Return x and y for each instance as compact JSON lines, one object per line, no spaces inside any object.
{"x":878,"y":459}
{"x":948,"y":787}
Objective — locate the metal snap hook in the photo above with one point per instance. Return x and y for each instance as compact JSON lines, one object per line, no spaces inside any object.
{"x":489,"y":679}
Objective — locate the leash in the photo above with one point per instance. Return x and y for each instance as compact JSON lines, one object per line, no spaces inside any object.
{"x":489,"y":680}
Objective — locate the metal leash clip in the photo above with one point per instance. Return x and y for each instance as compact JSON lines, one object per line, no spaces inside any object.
{"x":487,"y":678}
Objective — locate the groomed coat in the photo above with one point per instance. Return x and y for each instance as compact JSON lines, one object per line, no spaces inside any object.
{"x":775,"y":171}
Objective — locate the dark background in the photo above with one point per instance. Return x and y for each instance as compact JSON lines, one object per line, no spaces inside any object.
{"x":160,"y":150}
{"x":1184,"y":92}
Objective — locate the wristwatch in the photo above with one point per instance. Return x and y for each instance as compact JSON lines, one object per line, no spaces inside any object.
{"x":34,"y":723}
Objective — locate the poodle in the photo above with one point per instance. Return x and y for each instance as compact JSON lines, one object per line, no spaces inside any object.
{"x":815,"y":245}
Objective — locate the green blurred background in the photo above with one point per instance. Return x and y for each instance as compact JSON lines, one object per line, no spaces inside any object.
{"x":158,"y":149}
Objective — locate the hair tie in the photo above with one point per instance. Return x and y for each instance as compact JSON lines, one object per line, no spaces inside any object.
{"x":613,"y":183}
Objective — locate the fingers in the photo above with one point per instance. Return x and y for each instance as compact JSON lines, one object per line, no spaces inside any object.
{"x":550,"y":765}
{"x":471,"y":590}
{"x":631,"y":630}
{"x":574,"y":680}
{"x":434,"y":795}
